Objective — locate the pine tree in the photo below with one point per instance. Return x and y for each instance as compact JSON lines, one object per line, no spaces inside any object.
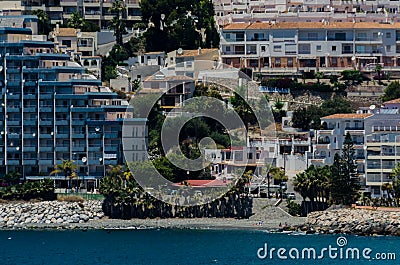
{"x":344,"y":180}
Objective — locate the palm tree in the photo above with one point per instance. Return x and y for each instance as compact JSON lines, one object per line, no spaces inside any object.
{"x":117,"y":24}
{"x":318,"y":76}
{"x":378,"y":70}
{"x":76,"y":21}
{"x":67,"y":167}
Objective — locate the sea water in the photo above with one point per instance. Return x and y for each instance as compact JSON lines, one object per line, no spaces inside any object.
{"x":169,"y":246}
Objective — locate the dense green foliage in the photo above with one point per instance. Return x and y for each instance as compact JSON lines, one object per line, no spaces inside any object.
{"x":178,"y":24}
{"x":392,"y":91}
{"x":125,"y":199}
{"x":117,"y":23}
{"x":118,"y":54}
{"x":44,"y":26}
{"x":78,"y":22}
{"x":43,"y":190}
{"x":310,"y":117}
{"x":294,"y":208}
{"x":338,"y":183}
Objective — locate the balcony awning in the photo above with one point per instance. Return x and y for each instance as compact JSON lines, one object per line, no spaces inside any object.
{"x":373,"y":148}
{"x":366,"y":57}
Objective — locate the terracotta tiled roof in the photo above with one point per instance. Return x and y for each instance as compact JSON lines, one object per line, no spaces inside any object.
{"x":204,"y":183}
{"x":66,"y":32}
{"x":311,"y":25}
{"x":348,"y":116}
{"x":394,"y":101}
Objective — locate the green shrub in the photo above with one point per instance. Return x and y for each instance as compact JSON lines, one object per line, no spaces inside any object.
{"x":294,"y":209}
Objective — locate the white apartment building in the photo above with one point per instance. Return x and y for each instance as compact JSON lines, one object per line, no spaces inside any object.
{"x":376,"y":137}
{"x":227,"y":11}
{"x":96,"y":11}
{"x":287,"y":48}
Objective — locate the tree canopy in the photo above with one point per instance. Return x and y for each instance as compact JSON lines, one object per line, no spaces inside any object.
{"x":392,"y":91}
{"x":179,"y":24}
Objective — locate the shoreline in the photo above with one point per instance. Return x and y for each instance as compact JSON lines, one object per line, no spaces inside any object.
{"x":173,"y":223}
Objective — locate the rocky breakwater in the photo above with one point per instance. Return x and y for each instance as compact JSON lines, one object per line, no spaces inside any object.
{"x":353,"y":221}
{"x":48,"y":213}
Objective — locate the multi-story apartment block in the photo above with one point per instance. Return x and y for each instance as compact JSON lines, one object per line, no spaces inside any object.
{"x":52,"y":110}
{"x":290,"y":48}
{"x":227,"y":12}
{"x":96,"y":11}
{"x":376,"y":135}
{"x":382,"y":146}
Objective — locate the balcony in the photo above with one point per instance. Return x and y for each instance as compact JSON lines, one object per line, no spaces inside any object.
{"x":46,"y":96}
{"x":233,"y":53}
{"x":46,"y":109}
{"x":46,"y":162}
{"x":30,"y":109}
{"x":63,"y":148}
{"x":62,"y":122}
{"x":14,"y":123}
{"x":30,"y":148}
{"x":30,"y":135}
{"x":12,"y":96}
{"x":62,"y":135}
{"x":13,"y":162}
{"x":13,"y":135}
{"x":95,"y":148}
{"x":78,"y":122}
{"x":110,"y":147}
{"x":110,"y":162}
{"x":46,"y":148}
{"x":46,"y":122}
{"x":29,"y":162}
{"x":62,"y":109}
{"x":78,"y":148}
{"x":111,"y":135}
{"x":29,"y":96}
{"x":94,"y":135}
{"x":46,"y":136}
{"x":78,"y":135}
{"x":13,"y":109}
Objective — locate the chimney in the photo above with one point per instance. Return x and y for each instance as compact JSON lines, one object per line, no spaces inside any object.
{"x":199,"y":51}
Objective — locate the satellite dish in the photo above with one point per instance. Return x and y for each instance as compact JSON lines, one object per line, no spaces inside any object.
{"x":180,"y":51}
{"x":372,"y":107}
{"x":353,"y":58}
{"x":1,"y":68}
{"x":97,"y":129}
{"x":84,"y":159}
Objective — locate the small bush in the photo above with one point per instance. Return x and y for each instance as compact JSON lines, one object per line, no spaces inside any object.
{"x":70,"y":198}
{"x":293,"y":208}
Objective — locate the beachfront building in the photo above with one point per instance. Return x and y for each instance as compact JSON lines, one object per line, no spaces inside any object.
{"x":376,"y":135}
{"x":289,"y":48}
{"x":382,"y":146}
{"x":52,"y":110}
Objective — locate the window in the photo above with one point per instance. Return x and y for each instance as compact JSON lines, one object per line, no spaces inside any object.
{"x":319,"y":48}
{"x":388,"y":48}
{"x":278,"y":62}
{"x":290,"y":62}
{"x":66,"y":43}
{"x":388,"y":35}
{"x":263,"y":48}
{"x":333,"y":48}
{"x":375,"y":35}
{"x":312,"y":35}
{"x":277,"y":48}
